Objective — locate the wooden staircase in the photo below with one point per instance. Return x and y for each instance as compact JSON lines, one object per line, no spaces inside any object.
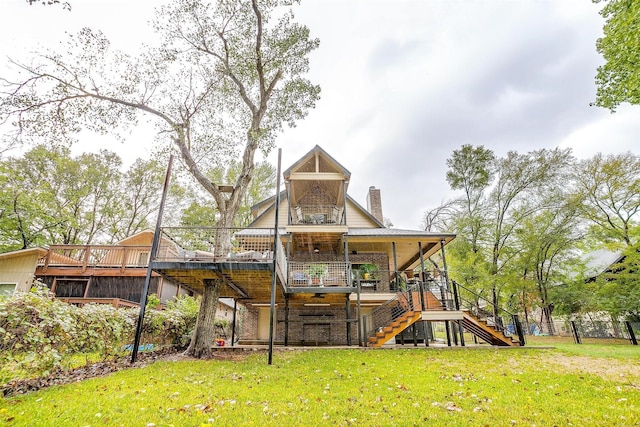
{"x":394,"y":328}
{"x":486,"y":332}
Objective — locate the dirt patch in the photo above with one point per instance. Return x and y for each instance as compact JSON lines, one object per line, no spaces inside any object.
{"x":608,"y":369}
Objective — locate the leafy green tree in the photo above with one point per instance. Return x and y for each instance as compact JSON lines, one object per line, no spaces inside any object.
{"x":471,"y":169}
{"x":610,"y":187}
{"x":618,"y":80}
{"x":618,"y":291}
{"x":224,"y":81}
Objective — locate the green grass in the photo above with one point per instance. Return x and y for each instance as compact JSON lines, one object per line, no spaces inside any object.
{"x":478,"y":387}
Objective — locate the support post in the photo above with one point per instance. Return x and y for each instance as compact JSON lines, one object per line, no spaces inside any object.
{"x":576,"y":334}
{"x":152,"y":255}
{"x":348,"y":315}
{"x":395,"y":265}
{"x":359,"y":314}
{"x":421,"y":278}
{"x":286,"y":321}
{"x":276,"y":239}
{"x":233,"y":325}
{"x":519,"y":330}
{"x":632,"y":335}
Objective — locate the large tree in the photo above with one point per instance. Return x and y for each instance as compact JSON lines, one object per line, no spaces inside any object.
{"x":47,"y":196}
{"x":610,"y":187}
{"x":618,"y":80}
{"x":225,"y":79}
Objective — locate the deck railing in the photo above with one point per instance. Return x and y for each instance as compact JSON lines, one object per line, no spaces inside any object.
{"x":216,"y":244}
{"x":320,"y":274}
{"x":316,"y":215}
{"x":91,"y":256}
{"x":386,"y":313}
{"x":485,"y":310}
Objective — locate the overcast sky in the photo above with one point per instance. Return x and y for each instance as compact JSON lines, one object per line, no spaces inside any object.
{"x":404,"y":83}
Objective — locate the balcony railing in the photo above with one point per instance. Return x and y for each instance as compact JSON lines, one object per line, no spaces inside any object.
{"x":316,"y":215}
{"x":214,"y":244}
{"x":92,"y":256}
{"x":320,"y":274}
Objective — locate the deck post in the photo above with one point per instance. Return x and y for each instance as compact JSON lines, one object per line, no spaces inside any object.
{"x":233,"y":325}
{"x":422,"y":291}
{"x":395,"y":266}
{"x":576,"y":334}
{"x":632,"y":335}
{"x":286,"y":320}
{"x":275,"y":260}
{"x":348,"y":314}
{"x":152,"y":255}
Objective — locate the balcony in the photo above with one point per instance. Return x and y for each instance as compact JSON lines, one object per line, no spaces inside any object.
{"x":318,"y":274}
{"x":317,"y":215}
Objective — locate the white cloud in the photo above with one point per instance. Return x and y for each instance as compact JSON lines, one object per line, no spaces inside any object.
{"x":404,"y":83}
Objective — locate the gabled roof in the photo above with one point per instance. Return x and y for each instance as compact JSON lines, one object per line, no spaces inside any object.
{"x":24,"y":252}
{"x":144,"y":236}
{"x":598,"y":262}
{"x":283,"y":196}
{"x":317,"y":151}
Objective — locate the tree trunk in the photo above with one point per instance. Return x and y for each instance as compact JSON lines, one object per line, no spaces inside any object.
{"x":203,"y":335}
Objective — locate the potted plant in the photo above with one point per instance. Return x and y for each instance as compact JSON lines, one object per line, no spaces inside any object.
{"x":369,"y":271}
{"x":317,"y":272}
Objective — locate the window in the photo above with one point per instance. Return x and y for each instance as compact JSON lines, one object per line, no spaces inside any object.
{"x":7,"y":289}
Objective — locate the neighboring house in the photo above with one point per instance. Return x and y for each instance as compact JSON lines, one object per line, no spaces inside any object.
{"x":341,"y":277}
{"x":600,"y":261}
{"x":17,"y":268}
{"x":113,"y":274}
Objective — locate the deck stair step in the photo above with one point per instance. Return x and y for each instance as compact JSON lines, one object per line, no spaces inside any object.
{"x":394,"y":328}
{"x":486,"y":332}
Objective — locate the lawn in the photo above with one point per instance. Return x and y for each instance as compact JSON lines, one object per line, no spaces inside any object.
{"x":568,"y":385}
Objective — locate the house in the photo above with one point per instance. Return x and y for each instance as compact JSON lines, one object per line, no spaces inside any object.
{"x":113,"y":274}
{"x":341,"y":277}
{"x":17,"y":269}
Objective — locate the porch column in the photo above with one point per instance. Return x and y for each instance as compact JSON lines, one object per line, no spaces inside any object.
{"x":395,"y":265}
{"x":421,"y":283}
{"x":286,"y":320}
{"x":445,"y":272}
{"x":348,"y":308}
{"x":233,"y":324}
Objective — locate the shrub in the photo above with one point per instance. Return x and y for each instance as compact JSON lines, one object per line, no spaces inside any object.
{"x":37,"y":331}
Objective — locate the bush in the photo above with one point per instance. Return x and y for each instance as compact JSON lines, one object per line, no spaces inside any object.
{"x":37,"y":331}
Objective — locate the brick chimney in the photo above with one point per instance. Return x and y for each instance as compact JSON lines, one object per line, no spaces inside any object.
{"x":374,"y":203}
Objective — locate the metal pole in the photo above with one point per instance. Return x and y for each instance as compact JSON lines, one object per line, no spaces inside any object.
{"x":233,"y":325}
{"x":576,"y":334}
{"x":286,"y":321}
{"x":275,"y":260}
{"x":359,"y":313}
{"x":348,"y":314}
{"x":422,"y":291}
{"x":632,"y":335}
{"x":152,"y":255}
{"x":395,"y":265}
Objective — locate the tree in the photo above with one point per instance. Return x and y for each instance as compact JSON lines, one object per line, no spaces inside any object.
{"x":471,"y":169}
{"x":618,"y":80}
{"x":610,"y":187}
{"x":222,"y":84}
{"x":49,"y":197}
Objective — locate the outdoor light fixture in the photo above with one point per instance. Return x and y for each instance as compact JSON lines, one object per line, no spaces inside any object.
{"x":316,"y":249}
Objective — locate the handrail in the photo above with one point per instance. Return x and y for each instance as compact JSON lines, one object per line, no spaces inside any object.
{"x":391,"y":310}
{"x":492,"y":318}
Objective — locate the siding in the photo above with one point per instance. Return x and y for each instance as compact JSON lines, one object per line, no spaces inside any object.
{"x":19,"y":270}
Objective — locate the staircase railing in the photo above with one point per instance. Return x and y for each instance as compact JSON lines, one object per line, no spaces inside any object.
{"x":486,"y":310}
{"x":385,"y":314}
